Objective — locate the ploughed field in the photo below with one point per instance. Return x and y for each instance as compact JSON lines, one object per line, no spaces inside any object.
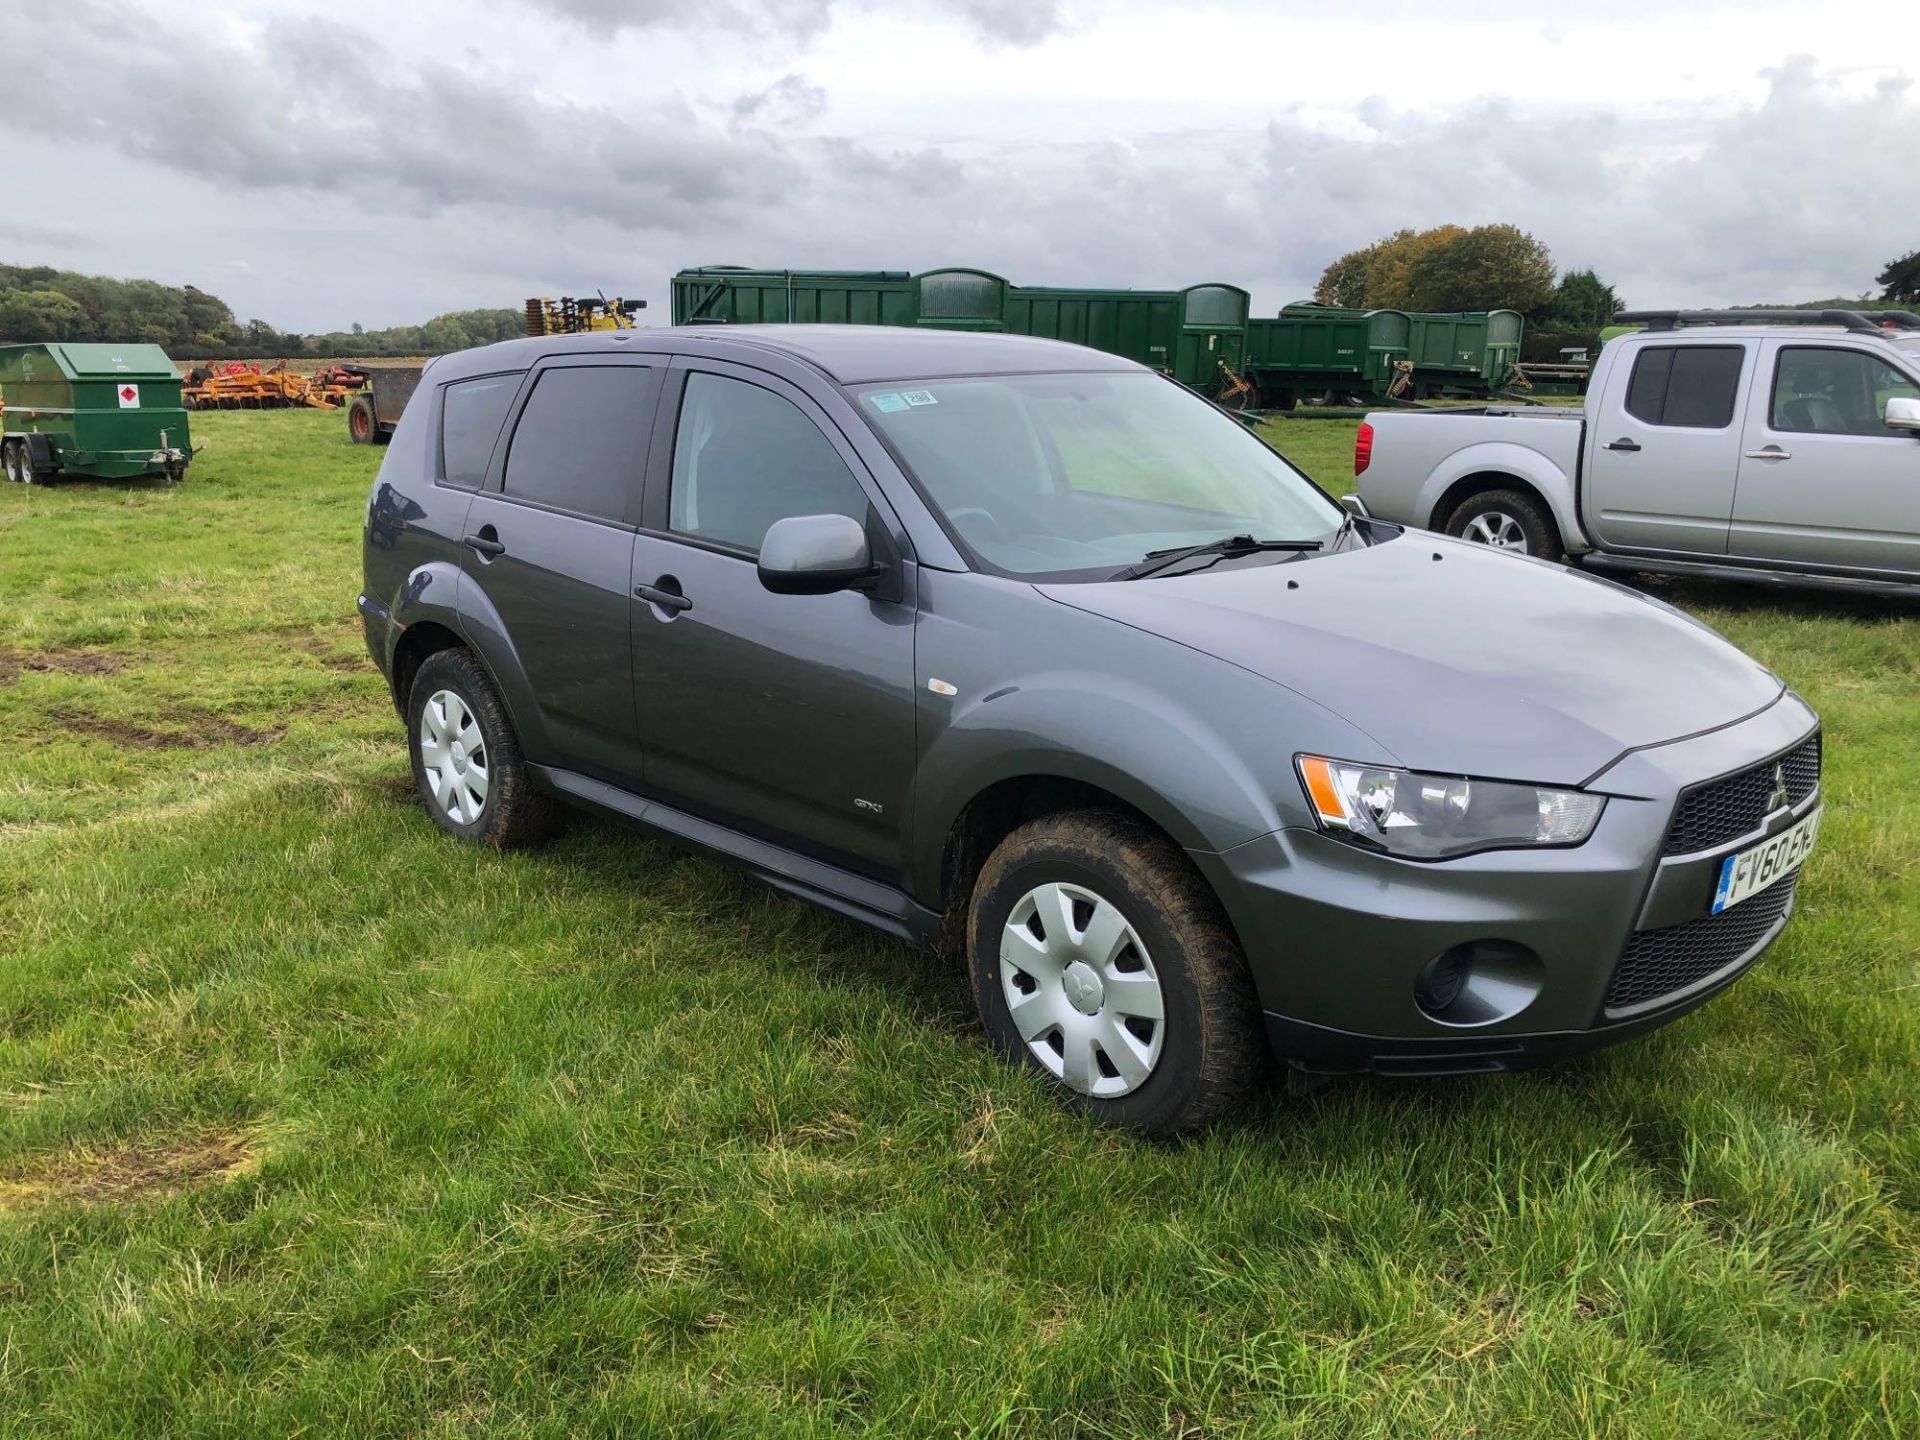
{"x":310,"y":1118}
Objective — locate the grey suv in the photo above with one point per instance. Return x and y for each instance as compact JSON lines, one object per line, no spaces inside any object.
{"x":996,"y":642}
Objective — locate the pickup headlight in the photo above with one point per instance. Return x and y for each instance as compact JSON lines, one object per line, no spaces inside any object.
{"x":1436,"y":817}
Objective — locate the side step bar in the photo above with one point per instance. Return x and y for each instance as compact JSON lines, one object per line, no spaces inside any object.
{"x":871,"y":902}
{"x":1747,"y":574}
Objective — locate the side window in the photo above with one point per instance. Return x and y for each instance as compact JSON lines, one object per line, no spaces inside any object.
{"x":1695,"y":386}
{"x":470,"y":416}
{"x":744,"y":457}
{"x":1823,"y":391}
{"x":582,"y":438}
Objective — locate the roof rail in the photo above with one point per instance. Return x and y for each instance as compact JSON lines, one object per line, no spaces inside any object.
{"x":1876,"y":322}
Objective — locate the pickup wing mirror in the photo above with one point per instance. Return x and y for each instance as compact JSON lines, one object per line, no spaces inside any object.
{"x":1903,"y":413}
{"x":816,"y":555}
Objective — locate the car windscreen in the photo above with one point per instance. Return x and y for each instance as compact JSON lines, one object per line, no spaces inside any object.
{"x":1072,"y":476}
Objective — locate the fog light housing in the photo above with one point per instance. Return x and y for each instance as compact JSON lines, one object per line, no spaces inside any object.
{"x":1479,"y":982}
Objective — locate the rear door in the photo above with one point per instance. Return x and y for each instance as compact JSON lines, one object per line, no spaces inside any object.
{"x":787,"y":715}
{"x":1665,"y":447}
{"x":549,"y":545}
{"x":1822,"y":480}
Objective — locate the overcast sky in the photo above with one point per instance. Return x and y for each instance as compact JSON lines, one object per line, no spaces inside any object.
{"x":381,"y":163}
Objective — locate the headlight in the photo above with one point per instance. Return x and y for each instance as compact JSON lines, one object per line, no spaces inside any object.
{"x":1435,"y":817}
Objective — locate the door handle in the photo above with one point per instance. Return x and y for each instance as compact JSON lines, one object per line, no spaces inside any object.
{"x":1624,"y":444}
{"x":672,"y":601}
{"x":487,"y":542}
{"x":1772,"y":452}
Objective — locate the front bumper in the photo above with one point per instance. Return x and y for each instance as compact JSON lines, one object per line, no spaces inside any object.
{"x":1338,"y":938}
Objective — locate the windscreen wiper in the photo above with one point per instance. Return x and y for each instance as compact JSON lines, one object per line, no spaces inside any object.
{"x":1158,"y":560}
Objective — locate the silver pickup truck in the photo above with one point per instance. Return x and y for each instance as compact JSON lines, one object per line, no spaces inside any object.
{"x":1775,"y":445}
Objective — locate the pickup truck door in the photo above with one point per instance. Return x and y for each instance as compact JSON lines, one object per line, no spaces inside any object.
{"x":1822,"y":480}
{"x":1664,"y":447}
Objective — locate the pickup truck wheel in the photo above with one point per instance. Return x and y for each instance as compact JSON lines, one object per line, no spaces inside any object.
{"x":467,"y":765}
{"x":1507,"y":520}
{"x":1100,"y":958}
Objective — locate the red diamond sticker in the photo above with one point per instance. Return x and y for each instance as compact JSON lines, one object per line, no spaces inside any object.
{"x":129,"y":397}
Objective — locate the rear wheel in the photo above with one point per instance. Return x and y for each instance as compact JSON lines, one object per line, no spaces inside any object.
{"x":11,"y":461}
{"x":1507,"y":520}
{"x":467,"y":765}
{"x":1100,"y":958}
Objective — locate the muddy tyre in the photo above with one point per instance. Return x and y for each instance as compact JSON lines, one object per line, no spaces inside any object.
{"x":467,"y":765}
{"x":1100,"y":958}
{"x":1508,"y":520}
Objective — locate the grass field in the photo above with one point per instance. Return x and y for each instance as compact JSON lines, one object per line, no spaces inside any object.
{"x":313,"y":1121}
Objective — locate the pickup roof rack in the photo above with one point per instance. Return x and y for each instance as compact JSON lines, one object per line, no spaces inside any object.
{"x":1872,"y":322}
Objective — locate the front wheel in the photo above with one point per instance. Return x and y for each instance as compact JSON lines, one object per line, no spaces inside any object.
{"x":1100,"y":958}
{"x":1507,"y":520}
{"x":467,"y":765}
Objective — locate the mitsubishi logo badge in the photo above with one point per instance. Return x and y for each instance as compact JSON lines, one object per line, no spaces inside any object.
{"x":1779,"y":798}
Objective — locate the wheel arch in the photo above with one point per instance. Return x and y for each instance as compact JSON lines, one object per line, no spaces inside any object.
{"x":999,"y":807}
{"x":1480,"y":468}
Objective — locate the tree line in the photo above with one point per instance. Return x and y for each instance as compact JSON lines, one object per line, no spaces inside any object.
{"x":39,"y":302}
{"x":1502,"y":267}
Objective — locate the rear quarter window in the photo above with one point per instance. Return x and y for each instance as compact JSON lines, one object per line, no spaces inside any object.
{"x":471,"y":412}
{"x":1687,"y":386}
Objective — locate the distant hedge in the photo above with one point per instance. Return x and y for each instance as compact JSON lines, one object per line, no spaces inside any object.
{"x":38,"y":302}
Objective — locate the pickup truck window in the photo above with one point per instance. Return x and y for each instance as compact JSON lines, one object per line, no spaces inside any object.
{"x":1820,"y":390}
{"x":1692,"y":386}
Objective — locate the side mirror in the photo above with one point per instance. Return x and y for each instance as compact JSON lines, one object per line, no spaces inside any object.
{"x":1903,"y":413}
{"x":815,"y":555}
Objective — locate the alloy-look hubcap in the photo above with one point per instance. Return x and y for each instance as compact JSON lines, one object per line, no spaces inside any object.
{"x":1082,"y":991}
{"x":1497,"y":529}
{"x":453,"y":752}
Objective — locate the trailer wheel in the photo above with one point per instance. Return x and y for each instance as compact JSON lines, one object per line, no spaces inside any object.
{"x":360,"y":422}
{"x":10,"y":461}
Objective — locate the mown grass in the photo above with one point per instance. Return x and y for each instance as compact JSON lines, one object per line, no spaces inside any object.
{"x":311,"y":1120}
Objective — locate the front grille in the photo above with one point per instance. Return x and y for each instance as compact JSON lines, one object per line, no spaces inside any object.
{"x":1659,"y":962}
{"x":1721,"y":811}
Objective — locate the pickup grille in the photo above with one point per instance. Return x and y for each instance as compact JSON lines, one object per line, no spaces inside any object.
{"x":1659,"y":962}
{"x":1723,"y":810}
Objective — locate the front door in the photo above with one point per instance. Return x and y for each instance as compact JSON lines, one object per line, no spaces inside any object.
{"x":787,"y":715}
{"x":1823,"y":481}
{"x":1664,"y":449}
{"x":549,"y":546}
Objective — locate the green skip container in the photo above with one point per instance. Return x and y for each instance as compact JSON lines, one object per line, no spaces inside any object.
{"x":111,"y":411}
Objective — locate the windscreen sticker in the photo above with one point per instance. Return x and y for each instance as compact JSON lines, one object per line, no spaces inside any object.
{"x":919,"y":397}
{"x":890,"y":403}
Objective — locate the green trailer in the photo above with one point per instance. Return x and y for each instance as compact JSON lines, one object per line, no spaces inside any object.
{"x":954,"y":299}
{"x":1142,"y":325}
{"x":1323,"y":349}
{"x":111,"y":411}
{"x":1472,"y":351}
{"x":1213,"y":337}
{"x":1197,"y":335}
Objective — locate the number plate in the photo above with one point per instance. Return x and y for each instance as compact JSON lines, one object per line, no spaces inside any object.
{"x":1752,"y":871}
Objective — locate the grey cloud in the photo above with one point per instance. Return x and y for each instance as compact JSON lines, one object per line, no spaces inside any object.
{"x":307,"y":142}
{"x":999,"y":22}
{"x":790,"y":100}
{"x":765,"y":19}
